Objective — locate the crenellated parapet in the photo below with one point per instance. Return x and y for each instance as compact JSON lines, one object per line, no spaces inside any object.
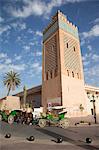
{"x":63,"y":18}
{"x":67,"y":26}
{"x":59,"y":20}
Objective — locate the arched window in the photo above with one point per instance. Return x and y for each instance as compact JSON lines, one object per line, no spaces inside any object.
{"x":67,"y":45}
{"x":55,"y":72}
{"x":47,"y":76}
{"x":77,"y":75}
{"x":68,"y":72}
{"x":74,"y":48}
{"x":51,"y":74}
{"x":72,"y":74}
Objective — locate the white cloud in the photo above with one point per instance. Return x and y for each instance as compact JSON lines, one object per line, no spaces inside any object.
{"x":91,"y":67}
{"x":8,"y":61}
{"x":39,"y":69}
{"x":87,"y":56}
{"x":19,"y":38}
{"x":31,"y":43}
{"x":30,"y":31}
{"x":4,"y":29}
{"x":35,"y":65}
{"x":96,"y":20}
{"x":35,"y":42}
{"x":94,"y":32}
{"x":95,"y":57}
{"x":23,"y":26}
{"x":85,"y":60}
{"x":20,"y":67}
{"x":92,"y":71}
{"x":89,"y":47}
{"x":18,"y":57}
{"x":3,"y":55}
{"x":2,"y":66}
{"x":14,"y":25}
{"x":1,"y":19}
{"x":92,"y":57}
{"x":39,"y":33}
{"x":36,"y":68}
{"x":91,"y":34}
{"x":6,"y":67}
{"x":38,"y":53}
{"x":92,"y":74}
{"x":7,"y":64}
{"x":38,"y":7}
{"x":86,"y":63}
{"x":82,"y":40}
{"x":27,"y":48}
{"x":19,"y":25}
{"x":30,"y":7}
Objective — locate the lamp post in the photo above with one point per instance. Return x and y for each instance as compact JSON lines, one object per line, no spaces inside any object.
{"x":92,"y":98}
{"x":24,"y":96}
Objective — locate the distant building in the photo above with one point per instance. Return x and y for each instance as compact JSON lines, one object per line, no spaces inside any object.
{"x":10,"y":103}
{"x":33,"y":97}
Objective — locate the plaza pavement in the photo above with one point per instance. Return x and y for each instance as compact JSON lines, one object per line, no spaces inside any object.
{"x":73,"y":137}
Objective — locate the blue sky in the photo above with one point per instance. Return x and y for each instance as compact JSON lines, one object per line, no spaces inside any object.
{"x":21,"y":26}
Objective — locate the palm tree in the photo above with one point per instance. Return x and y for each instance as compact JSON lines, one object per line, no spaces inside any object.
{"x":11,"y":81}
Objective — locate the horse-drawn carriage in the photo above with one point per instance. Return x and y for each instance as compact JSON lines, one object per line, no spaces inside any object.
{"x":18,"y":116}
{"x":55,"y":117}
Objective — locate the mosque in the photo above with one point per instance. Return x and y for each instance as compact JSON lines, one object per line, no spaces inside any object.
{"x":62,"y":72}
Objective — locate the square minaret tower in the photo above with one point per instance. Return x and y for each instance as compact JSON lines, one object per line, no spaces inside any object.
{"x":62,"y":71}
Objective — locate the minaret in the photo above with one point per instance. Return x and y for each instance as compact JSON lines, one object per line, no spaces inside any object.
{"x":62,"y":74}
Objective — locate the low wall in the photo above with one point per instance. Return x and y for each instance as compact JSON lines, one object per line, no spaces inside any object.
{"x":89,"y":118}
{"x":10,"y":103}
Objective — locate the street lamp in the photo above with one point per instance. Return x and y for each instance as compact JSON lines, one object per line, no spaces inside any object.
{"x":24,"y":96}
{"x":93,"y":98}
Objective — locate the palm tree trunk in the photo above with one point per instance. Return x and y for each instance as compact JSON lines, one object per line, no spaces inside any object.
{"x":8,"y":91}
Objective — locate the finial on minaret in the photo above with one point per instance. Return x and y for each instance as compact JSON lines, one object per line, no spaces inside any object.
{"x":58,"y":11}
